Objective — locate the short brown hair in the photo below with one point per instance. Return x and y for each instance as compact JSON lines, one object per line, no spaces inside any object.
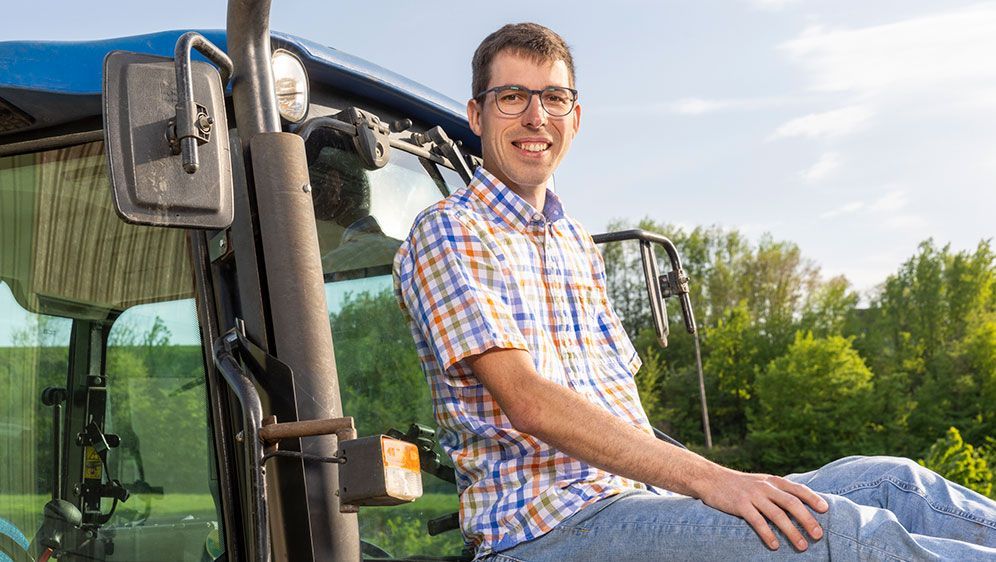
{"x":528,"y":39}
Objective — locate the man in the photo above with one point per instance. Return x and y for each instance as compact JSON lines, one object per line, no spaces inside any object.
{"x":532,"y":379}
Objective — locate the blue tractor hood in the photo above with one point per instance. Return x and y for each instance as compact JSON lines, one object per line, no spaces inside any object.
{"x":48,"y":83}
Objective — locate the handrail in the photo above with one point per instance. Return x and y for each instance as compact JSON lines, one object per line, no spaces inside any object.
{"x":225,"y":359}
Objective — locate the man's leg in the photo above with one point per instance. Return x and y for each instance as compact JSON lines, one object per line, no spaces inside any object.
{"x":922,"y":501}
{"x":644,"y":526}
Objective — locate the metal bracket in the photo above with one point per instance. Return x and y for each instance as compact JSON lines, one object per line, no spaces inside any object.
{"x":372,"y":138}
{"x":192,"y":125}
{"x":450,"y":149}
{"x":198,"y":127}
{"x":219,"y":246}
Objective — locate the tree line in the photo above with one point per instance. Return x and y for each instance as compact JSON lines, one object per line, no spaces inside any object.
{"x":799,"y":372}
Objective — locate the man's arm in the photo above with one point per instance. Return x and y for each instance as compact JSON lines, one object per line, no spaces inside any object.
{"x":565,"y":420}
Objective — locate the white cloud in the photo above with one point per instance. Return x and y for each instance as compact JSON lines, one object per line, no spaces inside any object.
{"x":694,"y":106}
{"x":850,"y":208}
{"x":698,"y":106}
{"x":772,"y":5}
{"x":891,"y":201}
{"x":941,"y":53}
{"x":823,"y":167}
{"x":835,"y":123}
{"x":905,"y":222}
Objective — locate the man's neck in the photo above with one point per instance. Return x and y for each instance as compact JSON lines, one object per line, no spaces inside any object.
{"x":535,"y":195}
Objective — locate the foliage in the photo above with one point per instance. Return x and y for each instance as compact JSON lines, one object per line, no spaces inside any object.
{"x":960,"y":462}
{"x":812,"y":405}
{"x":379,"y":374}
{"x":926,"y":336}
{"x":401,"y":530}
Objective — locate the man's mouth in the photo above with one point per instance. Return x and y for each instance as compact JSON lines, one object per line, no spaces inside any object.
{"x":532,"y":146}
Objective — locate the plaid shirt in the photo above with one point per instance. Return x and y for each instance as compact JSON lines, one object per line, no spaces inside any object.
{"x":482,"y":269}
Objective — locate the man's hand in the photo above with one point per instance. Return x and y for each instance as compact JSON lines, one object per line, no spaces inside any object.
{"x":563,"y":419}
{"x":759,"y":498}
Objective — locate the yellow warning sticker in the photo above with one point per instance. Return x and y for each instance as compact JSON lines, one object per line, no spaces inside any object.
{"x":399,"y":454}
{"x":91,"y":465}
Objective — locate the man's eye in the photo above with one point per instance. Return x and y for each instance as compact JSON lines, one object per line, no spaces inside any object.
{"x":512,"y":97}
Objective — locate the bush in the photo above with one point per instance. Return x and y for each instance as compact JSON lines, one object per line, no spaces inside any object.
{"x":813,"y":405}
{"x":960,"y":462}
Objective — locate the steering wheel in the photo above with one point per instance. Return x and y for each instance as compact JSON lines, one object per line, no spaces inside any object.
{"x":13,"y":544}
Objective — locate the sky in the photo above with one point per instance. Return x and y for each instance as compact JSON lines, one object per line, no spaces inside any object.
{"x":854,"y":129}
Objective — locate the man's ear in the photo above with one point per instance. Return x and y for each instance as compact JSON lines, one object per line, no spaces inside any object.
{"x":474,"y":116}
{"x":577,"y":117}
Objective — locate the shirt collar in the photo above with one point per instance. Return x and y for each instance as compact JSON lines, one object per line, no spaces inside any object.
{"x":511,"y":207}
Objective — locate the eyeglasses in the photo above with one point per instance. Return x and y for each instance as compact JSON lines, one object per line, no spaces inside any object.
{"x":514,"y":100}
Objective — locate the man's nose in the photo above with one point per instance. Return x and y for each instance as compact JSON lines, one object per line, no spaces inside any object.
{"x":534,"y":115}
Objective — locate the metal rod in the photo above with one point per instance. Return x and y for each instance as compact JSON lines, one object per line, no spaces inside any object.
{"x":57,"y":441}
{"x":186,"y":109}
{"x":702,"y":395}
{"x":252,"y":416}
{"x":341,"y":427}
{"x":252,"y":82}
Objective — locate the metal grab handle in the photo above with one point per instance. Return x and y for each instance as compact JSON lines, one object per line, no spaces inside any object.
{"x":676,"y":279}
{"x":192,"y":123}
{"x":225,"y":359}
{"x":343,"y":429}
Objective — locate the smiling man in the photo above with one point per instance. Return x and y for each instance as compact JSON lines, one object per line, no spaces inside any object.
{"x":532,"y":380}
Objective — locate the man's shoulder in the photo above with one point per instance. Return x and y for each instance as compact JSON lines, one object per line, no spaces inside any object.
{"x":460,"y":210}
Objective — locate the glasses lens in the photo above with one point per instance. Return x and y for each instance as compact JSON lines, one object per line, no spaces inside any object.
{"x":557,"y":101}
{"x":512,"y":100}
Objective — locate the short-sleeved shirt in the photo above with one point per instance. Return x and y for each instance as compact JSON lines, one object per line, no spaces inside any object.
{"x":483,"y":269}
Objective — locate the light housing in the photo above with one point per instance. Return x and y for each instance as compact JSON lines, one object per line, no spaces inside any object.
{"x":290,"y":84}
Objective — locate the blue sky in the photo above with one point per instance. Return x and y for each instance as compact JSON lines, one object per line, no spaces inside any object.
{"x":855,"y":129}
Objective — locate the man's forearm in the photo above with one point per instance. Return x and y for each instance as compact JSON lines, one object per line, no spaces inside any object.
{"x":567,"y":421}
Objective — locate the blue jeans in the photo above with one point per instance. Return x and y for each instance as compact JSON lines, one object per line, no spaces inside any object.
{"x":881,"y":508}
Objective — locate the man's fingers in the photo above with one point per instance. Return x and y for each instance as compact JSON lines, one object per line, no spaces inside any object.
{"x":760,"y":525}
{"x":802,"y":492}
{"x":777,"y":515}
{"x":800,"y":513}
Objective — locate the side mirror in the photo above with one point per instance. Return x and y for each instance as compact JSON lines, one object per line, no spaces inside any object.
{"x":652,"y":277}
{"x":168,"y":155}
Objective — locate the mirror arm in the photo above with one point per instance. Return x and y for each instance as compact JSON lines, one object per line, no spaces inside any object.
{"x":192,"y":125}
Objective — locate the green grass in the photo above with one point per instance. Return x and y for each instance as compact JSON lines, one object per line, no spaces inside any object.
{"x":25,"y":510}
{"x":398,"y":529}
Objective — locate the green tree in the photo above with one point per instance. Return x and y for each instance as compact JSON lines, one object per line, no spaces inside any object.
{"x":380,"y":377}
{"x":812,"y":405}
{"x":924,"y":338}
{"x":960,"y":462}
{"x":732,"y":366}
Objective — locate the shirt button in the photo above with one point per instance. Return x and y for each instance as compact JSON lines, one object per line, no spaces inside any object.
{"x":537,"y":217}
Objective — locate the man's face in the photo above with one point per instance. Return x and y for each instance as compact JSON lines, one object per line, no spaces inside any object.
{"x":523,"y":150}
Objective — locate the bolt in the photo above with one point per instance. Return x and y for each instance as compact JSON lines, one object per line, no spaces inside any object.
{"x":307,"y":188}
{"x":76,"y":490}
{"x":204,"y":122}
{"x":97,"y":381}
{"x":221,"y":243}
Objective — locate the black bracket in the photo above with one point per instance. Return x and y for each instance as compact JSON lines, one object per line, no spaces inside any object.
{"x":372,"y":138}
{"x":449,"y":149}
{"x":429,"y":461}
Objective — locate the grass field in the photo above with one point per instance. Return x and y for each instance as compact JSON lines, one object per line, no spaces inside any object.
{"x":399,"y":530}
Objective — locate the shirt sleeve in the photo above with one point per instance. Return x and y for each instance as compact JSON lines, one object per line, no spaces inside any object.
{"x":453,"y":289}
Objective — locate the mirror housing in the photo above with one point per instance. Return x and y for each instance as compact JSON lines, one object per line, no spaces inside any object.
{"x":149,"y":180}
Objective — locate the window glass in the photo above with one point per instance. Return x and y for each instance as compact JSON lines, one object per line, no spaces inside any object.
{"x":103,"y":310}
{"x":34,"y":355}
{"x":362,"y":217}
